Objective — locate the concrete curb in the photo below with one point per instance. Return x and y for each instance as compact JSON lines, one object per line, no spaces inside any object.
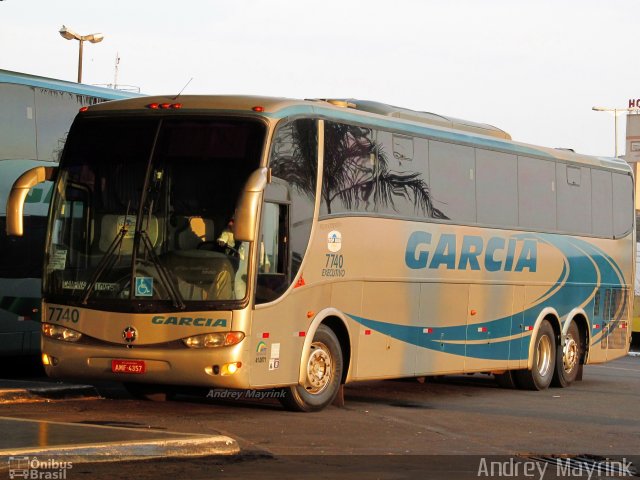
{"x":17,"y":391}
{"x":81,"y":443}
{"x":197,"y":446}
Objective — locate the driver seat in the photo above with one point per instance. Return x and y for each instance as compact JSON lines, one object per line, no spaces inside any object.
{"x":193,"y":231}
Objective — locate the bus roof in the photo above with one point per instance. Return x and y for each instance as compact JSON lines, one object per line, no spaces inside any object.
{"x":368,"y":112}
{"x":7,"y":76}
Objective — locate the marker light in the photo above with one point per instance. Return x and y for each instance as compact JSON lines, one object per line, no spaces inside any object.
{"x":230,"y":368}
{"x":164,"y":106}
{"x":48,"y":360}
{"x":60,"y":333}
{"x":258,"y":108}
{"x":84,"y":109}
{"x":210,"y":340}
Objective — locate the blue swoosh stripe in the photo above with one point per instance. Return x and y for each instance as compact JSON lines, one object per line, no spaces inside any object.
{"x":579,"y":282}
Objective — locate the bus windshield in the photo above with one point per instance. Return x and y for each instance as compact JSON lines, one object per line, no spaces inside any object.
{"x":143,"y":213}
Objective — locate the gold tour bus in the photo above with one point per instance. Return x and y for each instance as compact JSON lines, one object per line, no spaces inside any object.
{"x":264,"y":243}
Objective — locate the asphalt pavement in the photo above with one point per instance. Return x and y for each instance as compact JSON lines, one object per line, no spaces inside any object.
{"x":23,"y":438}
{"x":81,"y":443}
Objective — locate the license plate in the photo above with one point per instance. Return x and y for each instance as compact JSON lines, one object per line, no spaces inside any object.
{"x":128,"y":366}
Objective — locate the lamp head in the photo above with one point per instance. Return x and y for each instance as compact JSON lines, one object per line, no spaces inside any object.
{"x":94,"y":37}
{"x":68,"y":33}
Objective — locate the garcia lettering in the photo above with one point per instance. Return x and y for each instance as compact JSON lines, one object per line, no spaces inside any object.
{"x":498,"y":254}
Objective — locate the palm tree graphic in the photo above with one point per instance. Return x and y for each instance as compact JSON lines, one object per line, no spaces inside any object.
{"x":356,"y":169}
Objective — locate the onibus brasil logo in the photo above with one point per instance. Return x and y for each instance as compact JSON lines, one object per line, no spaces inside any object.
{"x":40,"y":469}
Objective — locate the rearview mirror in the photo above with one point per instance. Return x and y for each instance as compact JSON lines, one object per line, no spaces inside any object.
{"x":246,"y":216}
{"x":18,"y":194}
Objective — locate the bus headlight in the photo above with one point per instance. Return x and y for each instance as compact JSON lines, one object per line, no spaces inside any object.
{"x":210,"y":340}
{"x":60,"y":333}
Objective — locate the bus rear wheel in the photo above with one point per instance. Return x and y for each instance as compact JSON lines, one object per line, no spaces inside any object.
{"x":323,"y":375}
{"x":568,"y":358}
{"x":544,"y":360}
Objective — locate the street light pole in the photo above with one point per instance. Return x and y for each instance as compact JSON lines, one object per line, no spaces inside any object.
{"x":69,"y":34}
{"x":615,"y":122}
{"x":81,"y":42}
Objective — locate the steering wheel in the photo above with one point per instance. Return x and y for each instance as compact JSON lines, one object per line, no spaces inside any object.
{"x":207,"y":244}
{"x":217,"y":247}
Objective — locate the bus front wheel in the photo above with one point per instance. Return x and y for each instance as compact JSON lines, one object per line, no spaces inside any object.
{"x":323,"y":374}
{"x":544,"y":360}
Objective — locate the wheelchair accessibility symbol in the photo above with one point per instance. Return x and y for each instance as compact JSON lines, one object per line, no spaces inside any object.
{"x":144,"y":286}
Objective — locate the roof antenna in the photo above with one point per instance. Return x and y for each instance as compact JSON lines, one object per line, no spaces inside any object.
{"x":176,"y":97}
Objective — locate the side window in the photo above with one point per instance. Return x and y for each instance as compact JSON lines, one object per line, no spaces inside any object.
{"x":574,"y":198}
{"x":453,"y":186}
{"x":17,"y":122}
{"x":601,"y":203}
{"x":294,"y":166}
{"x":536,"y":193}
{"x":55,"y":112}
{"x":351,"y":159}
{"x":400,"y":186}
{"x":497,"y":188}
{"x":273,"y":264}
{"x":368,"y":171}
{"x":623,"y":210}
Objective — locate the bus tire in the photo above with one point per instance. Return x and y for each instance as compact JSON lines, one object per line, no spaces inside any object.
{"x":153,"y":393}
{"x":323,"y":375}
{"x":544,"y":359}
{"x":568,"y":358}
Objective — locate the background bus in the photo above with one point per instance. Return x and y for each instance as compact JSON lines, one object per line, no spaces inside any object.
{"x":370,"y":242}
{"x":35,"y":116}
{"x":636,"y":303}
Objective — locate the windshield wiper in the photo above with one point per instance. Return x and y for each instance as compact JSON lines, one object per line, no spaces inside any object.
{"x":163,"y":274}
{"x":107,"y":260}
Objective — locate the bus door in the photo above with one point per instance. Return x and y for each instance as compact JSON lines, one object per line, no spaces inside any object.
{"x":275,"y":350}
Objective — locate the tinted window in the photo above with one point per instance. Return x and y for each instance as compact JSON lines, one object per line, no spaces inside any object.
{"x":452,"y":180}
{"x":536,"y":193}
{"x":574,"y":198}
{"x":370,"y":171}
{"x":497,"y":188}
{"x":294,"y":164}
{"x":55,"y":112}
{"x":22,"y":257}
{"x":17,"y":122}
{"x":405,"y":173}
{"x":601,"y":203}
{"x":622,"y":204}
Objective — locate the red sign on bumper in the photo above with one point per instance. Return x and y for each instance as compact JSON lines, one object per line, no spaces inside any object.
{"x":128,"y":366}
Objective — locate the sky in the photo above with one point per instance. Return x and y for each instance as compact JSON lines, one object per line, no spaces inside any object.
{"x":534,"y":68}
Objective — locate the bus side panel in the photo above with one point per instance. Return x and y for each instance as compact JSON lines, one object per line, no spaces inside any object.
{"x":276,"y":340}
{"x":347,"y":297}
{"x":490,"y":336}
{"x":395,"y":304}
{"x":443,"y":312}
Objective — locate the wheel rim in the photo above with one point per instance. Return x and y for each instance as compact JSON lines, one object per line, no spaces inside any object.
{"x":544,"y":356}
{"x":569,"y":354}
{"x":319,"y":368}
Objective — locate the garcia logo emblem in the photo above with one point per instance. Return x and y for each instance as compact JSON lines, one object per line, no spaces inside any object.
{"x":334,"y":241}
{"x":129,"y":334}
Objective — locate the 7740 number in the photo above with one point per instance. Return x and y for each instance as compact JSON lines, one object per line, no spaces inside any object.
{"x":60,"y":314}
